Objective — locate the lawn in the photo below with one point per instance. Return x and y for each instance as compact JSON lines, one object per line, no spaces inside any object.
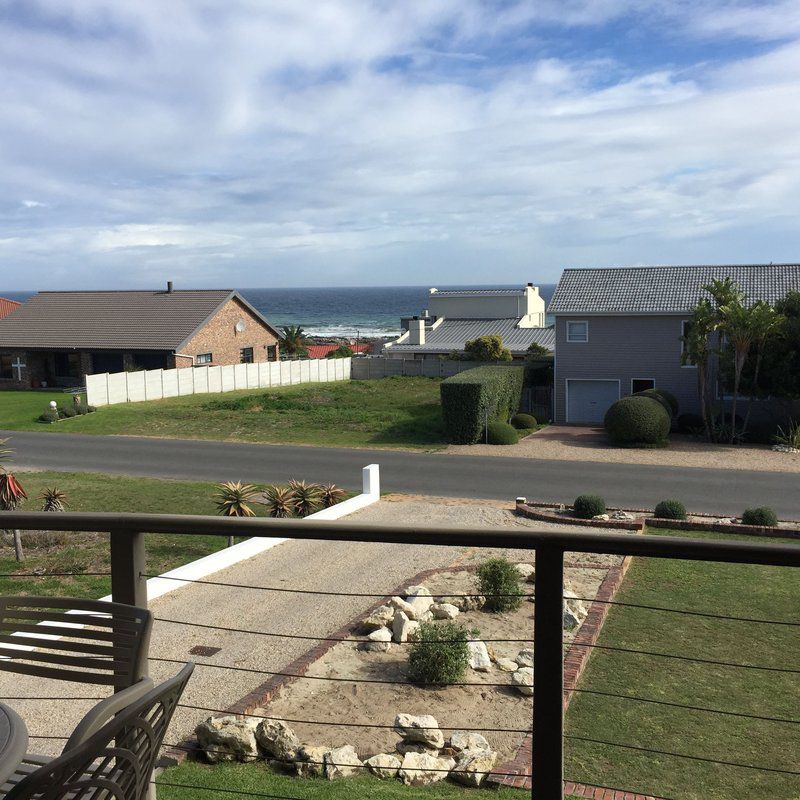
{"x":733,"y":590}
{"x":393,"y":412}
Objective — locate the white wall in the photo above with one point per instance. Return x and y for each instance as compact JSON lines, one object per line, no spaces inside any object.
{"x":132,"y":387}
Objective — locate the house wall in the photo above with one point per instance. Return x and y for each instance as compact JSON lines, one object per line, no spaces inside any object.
{"x":220,"y":337}
{"x":623,"y":348}
{"x":526,"y":303}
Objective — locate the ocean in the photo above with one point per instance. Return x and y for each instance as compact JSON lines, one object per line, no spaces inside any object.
{"x":367,"y":311}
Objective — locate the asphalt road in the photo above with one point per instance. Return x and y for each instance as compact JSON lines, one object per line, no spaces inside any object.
{"x":713,"y":491}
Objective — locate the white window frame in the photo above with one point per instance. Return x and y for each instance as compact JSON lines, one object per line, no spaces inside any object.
{"x":204,"y":361}
{"x":652,"y":380}
{"x":584,"y":322}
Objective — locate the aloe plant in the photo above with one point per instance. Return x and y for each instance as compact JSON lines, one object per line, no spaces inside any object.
{"x":53,"y":500}
{"x":232,"y":501}
{"x":306,"y":497}
{"x":331,"y":494}
{"x":11,"y":495}
{"x":279,"y":501}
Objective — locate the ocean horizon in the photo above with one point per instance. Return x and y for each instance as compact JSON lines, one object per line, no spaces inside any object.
{"x":342,"y":312}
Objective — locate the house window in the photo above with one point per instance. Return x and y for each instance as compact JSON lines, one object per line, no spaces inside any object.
{"x":246,"y":355}
{"x":686,"y":328}
{"x":67,"y":365}
{"x":272,"y":352}
{"x":5,"y":366}
{"x":204,"y":358}
{"x":578,"y":331}
{"x":642,"y":385}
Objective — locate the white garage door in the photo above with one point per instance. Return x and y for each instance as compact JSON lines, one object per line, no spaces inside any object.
{"x":588,"y":401}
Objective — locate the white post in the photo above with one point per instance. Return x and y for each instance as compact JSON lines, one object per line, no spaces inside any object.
{"x":371,"y":480}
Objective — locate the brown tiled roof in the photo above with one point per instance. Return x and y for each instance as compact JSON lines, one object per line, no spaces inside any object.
{"x":107,"y":319}
{"x":7,"y":306}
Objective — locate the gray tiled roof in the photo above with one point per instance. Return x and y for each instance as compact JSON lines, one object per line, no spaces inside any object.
{"x":452,"y":334}
{"x":473,"y":292}
{"x":129,"y":320}
{"x":634,"y":290}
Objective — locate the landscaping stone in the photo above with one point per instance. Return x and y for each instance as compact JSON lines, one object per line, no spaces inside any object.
{"x":444,"y":611}
{"x":623,"y":516}
{"x":341,"y":762}
{"x":403,"y":628}
{"x":380,"y":641}
{"x":570,"y":620}
{"x":310,"y":762}
{"x":525,"y":657}
{"x":468,"y":740}
{"x":479,"y":656}
{"x":473,"y":767}
{"x":381,"y":617}
{"x":601,"y":517}
{"x":421,"y":600}
{"x":402,"y":605}
{"x":526,"y":571}
{"x":472,"y":602}
{"x":507,"y":664}
{"x":277,"y":739}
{"x":384,"y":765}
{"x":423,"y":729}
{"x":227,"y":739}
{"x":420,"y":769}
{"x":404,"y":747}
{"x":523,"y":681}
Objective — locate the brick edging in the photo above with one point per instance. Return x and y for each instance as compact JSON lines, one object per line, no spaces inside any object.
{"x":528,"y":510}
{"x":603,"y":792}
{"x":722,"y":527}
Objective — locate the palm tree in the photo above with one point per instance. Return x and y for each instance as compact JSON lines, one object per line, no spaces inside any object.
{"x":11,"y":495}
{"x":293,"y":341}
{"x":764,"y":320}
{"x":737,"y":328}
{"x":232,"y":501}
{"x":697,"y":352}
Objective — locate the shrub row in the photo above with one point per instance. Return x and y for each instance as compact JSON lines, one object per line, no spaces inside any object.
{"x":66,"y":412}
{"x":468,"y":396}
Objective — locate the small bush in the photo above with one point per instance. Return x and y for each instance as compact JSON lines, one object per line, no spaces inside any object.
{"x":667,"y":399}
{"x":439,"y":653}
{"x":68,"y":411}
{"x":523,"y":421}
{"x":636,"y":421}
{"x":670,"y":509}
{"x":763,"y":516}
{"x":501,"y":433}
{"x":91,"y":409}
{"x":691,"y":423}
{"x":587,"y":506}
{"x":500,"y":582}
{"x":51,"y":415}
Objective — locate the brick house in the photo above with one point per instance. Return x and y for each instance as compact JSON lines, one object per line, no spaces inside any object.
{"x":56,"y":338}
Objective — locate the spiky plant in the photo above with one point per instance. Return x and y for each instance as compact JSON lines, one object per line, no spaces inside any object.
{"x":11,"y":496}
{"x":53,"y":500}
{"x":232,"y":501}
{"x":331,"y":494}
{"x":279,"y":501}
{"x":306,"y":497}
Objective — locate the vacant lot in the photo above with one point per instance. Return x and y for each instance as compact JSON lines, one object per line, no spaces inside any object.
{"x":393,"y":412}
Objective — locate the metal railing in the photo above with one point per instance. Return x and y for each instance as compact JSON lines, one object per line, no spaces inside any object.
{"x":129,"y":576}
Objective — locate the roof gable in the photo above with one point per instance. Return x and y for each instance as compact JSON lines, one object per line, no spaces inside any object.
{"x":8,"y":306}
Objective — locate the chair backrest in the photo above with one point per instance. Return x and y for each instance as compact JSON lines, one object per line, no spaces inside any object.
{"x":117,"y":762}
{"x":88,"y":641}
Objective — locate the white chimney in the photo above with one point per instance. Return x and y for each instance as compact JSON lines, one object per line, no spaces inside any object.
{"x":416,"y":331}
{"x":532,"y":308}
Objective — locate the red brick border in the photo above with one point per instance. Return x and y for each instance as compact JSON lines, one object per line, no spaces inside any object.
{"x":527,"y":510}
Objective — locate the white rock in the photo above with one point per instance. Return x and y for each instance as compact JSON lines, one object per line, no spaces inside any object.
{"x":507,"y":664}
{"x":479,"y":656}
{"x":379,"y":618}
{"x":526,"y":571}
{"x":473,"y":766}
{"x":468,"y":740}
{"x":380,"y":641}
{"x":402,"y":605}
{"x":601,"y":517}
{"x":423,"y":729}
{"x":623,"y":515}
{"x":444,"y":611}
{"x":421,"y":600}
{"x":404,"y":747}
{"x":341,"y":763}
{"x":227,"y":739}
{"x":525,"y":658}
{"x":310,"y":761}
{"x":418,"y":591}
{"x":421,"y":769}
{"x":523,"y":681}
{"x":277,"y":739}
{"x":384,"y":765}
{"x":403,"y":628}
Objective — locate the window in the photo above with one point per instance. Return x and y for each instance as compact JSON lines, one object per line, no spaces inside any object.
{"x":642,"y":384}
{"x":5,"y":366}
{"x":204,"y":358}
{"x":578,"y":331}
{"x":272,"y":352}
{"x":66,"y":365}
{"x":246,"y":355}
{"x":686,"y":327}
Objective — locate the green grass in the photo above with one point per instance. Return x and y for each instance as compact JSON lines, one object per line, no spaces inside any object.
{"x":259,"y":778}
{"x":393,"y":412}
{"x":736,"y":590}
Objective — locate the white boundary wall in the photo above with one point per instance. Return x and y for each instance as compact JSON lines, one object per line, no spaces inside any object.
{"x":107,"y":389}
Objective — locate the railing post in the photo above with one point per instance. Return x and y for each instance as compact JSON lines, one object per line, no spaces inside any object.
{"x":548,"y":676}
{"x":128,"y":584}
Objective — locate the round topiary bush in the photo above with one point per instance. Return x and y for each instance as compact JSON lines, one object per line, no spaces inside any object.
{"x":501,"y":433}
{"x":638,"y":421}
{"x":670,"y":509}
{"x":51,"y":415}
{"x":68,"y":411}
{"x":589,"y":505}
{"x":523,"y":421}
{"x":439,"y":653}
{"x":691,"y":423}
{"x":667,"y":399}
{"x":499,"y":581}
{"x":763,"y":516}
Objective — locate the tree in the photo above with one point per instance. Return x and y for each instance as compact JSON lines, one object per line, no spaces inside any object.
{"x":780,"y":368}
{"x":342,"y":351}
{"x":11,"y":495}
{"x":697,"y":350}
{"x":294,"y":341}
{"x":232,"y":500}
{"x":736,"y":326}
{"x":487,"y":348}
{"x":764,"y":321}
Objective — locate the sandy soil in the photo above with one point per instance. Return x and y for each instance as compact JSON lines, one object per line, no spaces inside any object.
{"x":683,"y":451}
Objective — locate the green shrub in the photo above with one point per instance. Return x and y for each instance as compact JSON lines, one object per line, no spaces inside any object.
{"x":667,"y":399}
{"x":91,"y":409}
{"x":438,"y":653}
{"x":342,"y":351}
{"x":587,"y":506}
{"x":670,"y":509}
{"x":501,"y":433}
{"x":487,"y":348}
{"x":51,"y":415}
{"x":470,"y":395}
{"x":637,"y":420}
{"x":523,"y":421}
{"x":68,"y":411}
{"x":500,"y":582}
{"x":763,"y":516}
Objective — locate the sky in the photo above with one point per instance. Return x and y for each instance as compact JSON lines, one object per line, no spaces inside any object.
{"x":392,"y":142}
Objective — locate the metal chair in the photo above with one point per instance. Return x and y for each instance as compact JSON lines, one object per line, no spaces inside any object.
{"x":115,"y":763}
{"x":84,"y":641}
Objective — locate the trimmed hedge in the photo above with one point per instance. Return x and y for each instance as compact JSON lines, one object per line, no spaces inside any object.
{"x":637,"y":420}
{"x":523,"y":421}
{"x":763,"y":516}
{"x":467,"y":396}
{"x":667,"y":399}
{"x":670,"y":509}
{"x":501,"y":433}
{"x":587,"y":506}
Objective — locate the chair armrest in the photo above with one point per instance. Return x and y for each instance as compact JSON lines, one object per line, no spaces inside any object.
{"x":106,"y":710}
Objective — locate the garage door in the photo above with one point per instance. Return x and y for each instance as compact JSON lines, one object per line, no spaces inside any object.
{"x":588,"y":401}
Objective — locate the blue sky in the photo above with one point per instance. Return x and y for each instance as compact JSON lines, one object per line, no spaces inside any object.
{"x":363,"y":142}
